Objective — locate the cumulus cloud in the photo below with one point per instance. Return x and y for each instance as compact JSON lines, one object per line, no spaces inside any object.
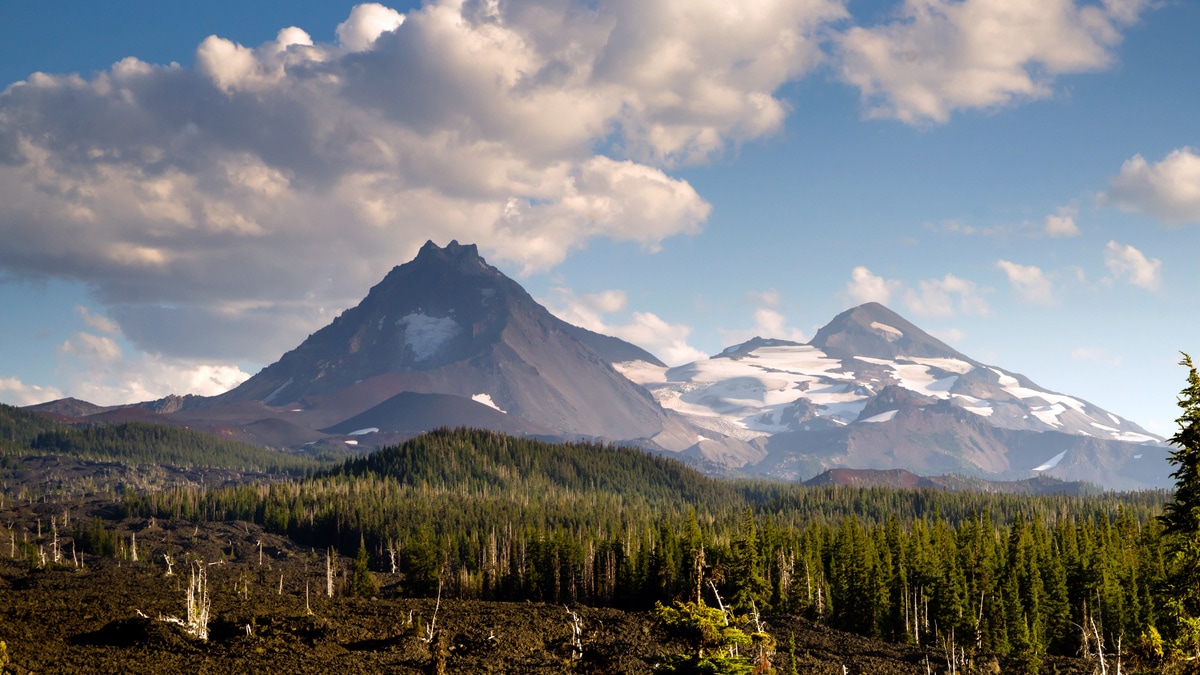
{"x":1060,"y":225}
{"x":950,"y":335}
{"x":15,"y":392}
{"x":947,"y":296}
{"x":587,"y":311}
{"x":955,"y":226}
{"x":261,"y":192}
{"x":96,"y":369}
{"x":1168,"y":190}
{"x":864,"y":286}
{"x":97,"y":321}
{"x":667,"y":341}
{"x":769,"y":322}
{"x":366,"y":23}
{"x":1095,"y":355}
{"x":1126,"y":263}
{"x":1030,"y":282}
{"x":938,"y":56}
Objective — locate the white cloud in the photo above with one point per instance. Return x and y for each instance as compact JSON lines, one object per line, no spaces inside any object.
{"x":1095,"y":355}
{"x":366,"y":23}
{"x":938,"y":56}
{"x":181,"y":196}
{"x":1030,"y":282}
{"x":1061,"y":225}
{"x":866,"y":287}
{"x":15,"y":392}
{"x":667,"y":341}
{"x":950,"y":335}
{"x":96,"y":369}
{"x":955,"y":226}
{"x":97,"y":321}
{"x":90,"y":348}
{"x":587,"y":311}
{"x":937,"y":297}
{"x":1168,"y":190}
{"x":1126,"y":263}
{"x":769,"y":298}
{"x":769,"y":322}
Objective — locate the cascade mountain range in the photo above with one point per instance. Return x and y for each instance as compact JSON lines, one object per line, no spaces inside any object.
{"x":448,"y":340}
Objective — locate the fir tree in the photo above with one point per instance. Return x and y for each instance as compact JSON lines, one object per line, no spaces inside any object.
{"x":1181,"y":520}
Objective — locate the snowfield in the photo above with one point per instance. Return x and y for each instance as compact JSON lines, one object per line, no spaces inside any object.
{"x":773,"y":389}
{"x":425,"y":335}
{"x":486,"y":399}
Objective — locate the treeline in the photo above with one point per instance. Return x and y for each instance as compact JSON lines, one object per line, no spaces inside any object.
{"x":23,"y":432}
{"x":481,"y":515}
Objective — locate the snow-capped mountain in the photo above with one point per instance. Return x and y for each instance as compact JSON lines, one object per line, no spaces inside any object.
{"x":874,"y":391}
{"x":447,"y":339}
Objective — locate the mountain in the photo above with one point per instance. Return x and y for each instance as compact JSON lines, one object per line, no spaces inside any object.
{"x":874,"y":391}
{"x":448,"y":340}
{"x":899,"y":478}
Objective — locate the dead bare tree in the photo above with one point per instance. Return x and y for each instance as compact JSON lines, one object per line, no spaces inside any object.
{"x":431,"y":629}
{"x":576,"y":636}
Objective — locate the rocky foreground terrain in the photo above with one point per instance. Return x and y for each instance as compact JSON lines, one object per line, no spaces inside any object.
{"x":270,"y":613}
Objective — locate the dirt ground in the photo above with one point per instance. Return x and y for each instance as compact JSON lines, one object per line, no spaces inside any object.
{"x":107,"y":617}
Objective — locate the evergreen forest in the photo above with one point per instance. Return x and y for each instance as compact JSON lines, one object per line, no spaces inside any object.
{"x":473,"y":514}
{"x":477,"y":515}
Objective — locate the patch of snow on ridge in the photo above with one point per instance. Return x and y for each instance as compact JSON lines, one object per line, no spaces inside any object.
{"x":949,"y":365}
{"x":745,"y":398}
{"x":1049,"y":413}
{"x":267,"y":400}
{"x":974,"y":405}
{"x":364,"y":432}
{"x":1133,"y":437}
{"x":486,"y":399}
{"x":1053,"y":462}
{"x":881,"y":417}
{"x":425,"y":334}
{"x":641,"y":372}
{"x":915,"y":375}
{"x":1013,"y":387}
{"x":891,"y":333}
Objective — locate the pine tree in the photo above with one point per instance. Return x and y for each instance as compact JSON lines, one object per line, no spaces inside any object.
{"x":1181,"y":520}
{"x":748,"y":586}
{"x":362,"y":582}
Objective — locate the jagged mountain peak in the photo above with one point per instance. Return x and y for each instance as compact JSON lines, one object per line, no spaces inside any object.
{"x":449,"y":326}
{"x":872,"y":390}
{"x":875,"y":331}
{"x":464,"y":258}
{"x":756,"y":342}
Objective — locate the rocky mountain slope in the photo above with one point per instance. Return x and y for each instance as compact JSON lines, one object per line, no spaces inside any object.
{"x":873,"y":391}
{"x":448,"y":340}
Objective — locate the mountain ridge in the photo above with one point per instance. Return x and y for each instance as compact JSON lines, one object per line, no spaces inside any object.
{"x":447,"y":339}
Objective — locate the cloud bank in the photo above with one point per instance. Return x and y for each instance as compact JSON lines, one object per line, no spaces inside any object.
{"x":1168,"y":190}
{"x":221,"y":212}
{"x":939,"y":56}
{"x":224,"y":210}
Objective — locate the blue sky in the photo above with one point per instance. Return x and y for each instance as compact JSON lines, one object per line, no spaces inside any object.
{"x":1018,"y":177}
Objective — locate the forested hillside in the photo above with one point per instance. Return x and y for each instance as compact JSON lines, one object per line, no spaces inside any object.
{"x":481,"y":515}
{"x":24,"y":433}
